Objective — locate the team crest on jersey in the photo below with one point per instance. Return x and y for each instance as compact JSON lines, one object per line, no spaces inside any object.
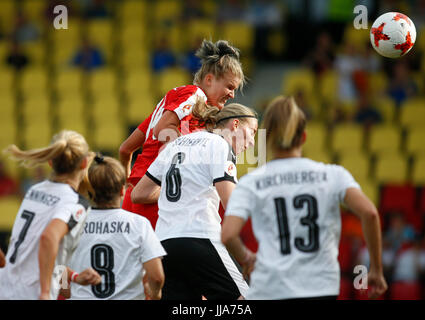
{"x":78,"y":214}
{"x":187,"y":108}
{"x":230,"y":168}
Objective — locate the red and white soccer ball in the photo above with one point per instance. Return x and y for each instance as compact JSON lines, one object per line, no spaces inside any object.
{"x":393,"y":34}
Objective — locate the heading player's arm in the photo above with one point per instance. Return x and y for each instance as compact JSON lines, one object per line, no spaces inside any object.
{"x":361,"y":206}
{"x":167,"y":128}
{"x":127,"y":148}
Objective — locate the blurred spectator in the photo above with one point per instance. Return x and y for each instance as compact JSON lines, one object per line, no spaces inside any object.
{"x":190,"y":61}
{"x":231,"y":10}
{"x":407,"y":264}
{"x":398,"y":231}
{"x":95,"y":9}
{"x":303,"y":103}
{"x":8,"y":186}
{"x":321,"y":58}
{"x":16,"y":58}
{"x":163,"y":57}
{"x":401,"y":85}
{"x":88,"y":56}
{"x":192,"y":9}
{"x":366,"y":114}
{"x":24,"y":30}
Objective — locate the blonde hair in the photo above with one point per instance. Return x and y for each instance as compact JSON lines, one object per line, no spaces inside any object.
{"x":66,"y":151}
{"x":107,"y":177}
{"x":218,"y":59}
{"x":213,"y":117}
{"x":284,"y":123}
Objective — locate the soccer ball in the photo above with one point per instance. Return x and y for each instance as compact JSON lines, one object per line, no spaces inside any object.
{"x":393,"y":34}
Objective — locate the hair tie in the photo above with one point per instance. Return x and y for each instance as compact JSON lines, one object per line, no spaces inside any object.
{"x":99,"y":158}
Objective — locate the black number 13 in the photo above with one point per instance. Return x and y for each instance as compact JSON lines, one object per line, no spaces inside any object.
{"x":310,"y":221}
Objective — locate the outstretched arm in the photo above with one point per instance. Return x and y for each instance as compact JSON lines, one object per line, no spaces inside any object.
{"x":127,"y":148}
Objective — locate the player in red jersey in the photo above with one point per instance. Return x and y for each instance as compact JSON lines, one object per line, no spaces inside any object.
{"x":219,"y":76}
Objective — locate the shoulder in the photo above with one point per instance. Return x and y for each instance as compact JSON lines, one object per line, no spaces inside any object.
{"x":134,"y":218}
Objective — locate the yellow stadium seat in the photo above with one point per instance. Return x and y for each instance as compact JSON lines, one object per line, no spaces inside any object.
{"x":36,"y":53}
{"x":34,"y":9}
{"x":200,"y":29}
{"x":138,"y":82}
{"x":72,"y":115}
{"x":133,"y":10}
{"x":134,"y":56}
{"x":418,"y":170}
{"x":36,"y":107}
{"x":239,"y":34}
{"x":109,"y":135}
{"x":103,"y":81}
{"x":132,"y":34}
{"x":317,"y":137}
{"x":386,"y":106}
{"x":8,"y":10}
{"x":34,"y":80}
{"x":357,"y":164}
{"x":8,"y":134}
{"x":357,"y":36}
{"x":69,"y":80}
{"x":37,"y":134}
{"x":371,"y":190}
{"x":327,"y":84}
{"x":415,"y":143}
{"x":412,"y":112}
{"x":6,"y":80}
{"x":139,"y":109}
{"x":319,"y":155}
{"x":9,"y":207}
{"x":391,"y":168}
{"x":106,"y":108}
{"x":347,"y":138}
{"x":378,"y":83}
{"x":384,"y":138}
{"x":299,"y":79}
{"x":11,"y":166}
{"x":171,"y":78}
{"x":166,"y":11}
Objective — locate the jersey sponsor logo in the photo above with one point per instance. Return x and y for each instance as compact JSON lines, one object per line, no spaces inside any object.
{"x":230,"y":168}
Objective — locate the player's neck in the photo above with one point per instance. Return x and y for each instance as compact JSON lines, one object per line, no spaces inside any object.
{"x":114,"y":204}
{"x":72,"y":180}
{"x":283,"y":154}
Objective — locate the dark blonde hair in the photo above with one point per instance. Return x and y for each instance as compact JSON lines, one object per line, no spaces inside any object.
{"x":218,"y":58}
{"x":66,"y":151}
{"x":107,"y":177}
{"x":214,"y":117}
{"x":284,"y":123}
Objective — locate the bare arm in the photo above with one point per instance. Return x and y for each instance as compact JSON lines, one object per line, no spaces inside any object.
{"x":224,"y":189}
{"x":154,"y":278}
{"x":145,"y":191}
{"x":2,"y":259}
{"x":48,"y":249}
{"x":361,"y":206}
{"x":127,"y":148}
{"x":167,"y":128}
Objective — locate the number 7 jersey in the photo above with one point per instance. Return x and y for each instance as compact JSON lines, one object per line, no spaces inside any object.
{"x":43,"y":202}
{"x":295,"y":208}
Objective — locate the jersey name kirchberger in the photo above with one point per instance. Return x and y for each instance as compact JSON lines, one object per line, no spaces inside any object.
{"x":295,"y":208}
{"x":43,"y":202}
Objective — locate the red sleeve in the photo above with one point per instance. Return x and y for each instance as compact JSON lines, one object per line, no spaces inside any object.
{"x":181,"y":100}
{"x":145,"y":124}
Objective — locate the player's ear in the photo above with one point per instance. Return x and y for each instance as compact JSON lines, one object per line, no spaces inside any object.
{"x":304,"y":137}
{"x":84,"y":163}
{"x":208,"y":79}
{"x":122,"y":192}
{"x":235,"y":124}
{"x":50,"y":162}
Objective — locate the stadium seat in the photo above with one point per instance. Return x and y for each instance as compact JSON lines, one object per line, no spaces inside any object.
{"x":418,"y":170}
{"x":6,"y":80}
{"x":103,"y":81}
{"x":36,"y":53}
{"x":317,"y":136}
{"x":8,"y":11}
{"x":133,"y":10}
{"x":371,"y":190}
{"x":171,"y":78}
{"x":415,"y":141}
{"x":100,"y":34}
{"x":105,"y":108}
{"x":327,"y":84}
{"x":240,"y":34}
{"x":383,"y":139}
{"x":412,"y":113}
{"x":34,"y":80}
{"x":135,"y":57}
{"x":378,"y":83}
{"x":9,"y":207}
{"x":299,"y":79}
{"x":37,"y":134}
{"x":137,"y":83}
{"x":401,"y":290}
{"x":34,"y":9}
{"x":386,"y":106}
{"x":166,"y":12}
{"x":391,"y":168}
{"x":140,"y":108}
{"x":347,"y":139}
{"x":69,"y":80}
{"x":358,"y":164}
{"x":36,"y":108}
{"x":200,"y":29}
{"x":72,"y":114}
{"x":108,"y":136}
{"x":319,"y":155}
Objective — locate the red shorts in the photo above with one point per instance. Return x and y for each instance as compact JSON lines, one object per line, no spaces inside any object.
{"x":149,"y":211}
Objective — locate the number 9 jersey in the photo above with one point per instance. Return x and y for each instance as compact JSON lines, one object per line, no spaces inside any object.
{"x":294,"y":204}
{"x":43,"y":202}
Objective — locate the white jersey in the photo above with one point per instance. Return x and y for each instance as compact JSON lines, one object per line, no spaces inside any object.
{"x":43,"y":202}
{"x":295,"y":208}
{"x":187,"y":170}
{"x":115,"y":243}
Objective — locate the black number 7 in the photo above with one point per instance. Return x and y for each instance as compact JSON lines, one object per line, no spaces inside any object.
{"x":28,"y":216}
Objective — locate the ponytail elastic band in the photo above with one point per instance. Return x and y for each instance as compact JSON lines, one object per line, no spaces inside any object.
{"x":241,"y":116}
{"x":98,"y":158}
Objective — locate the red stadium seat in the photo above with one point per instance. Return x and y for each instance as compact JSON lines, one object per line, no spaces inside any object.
{"x":401,"y":290}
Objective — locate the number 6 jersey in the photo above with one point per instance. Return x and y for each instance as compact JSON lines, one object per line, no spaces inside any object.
{"x":43,"y":202}
{"x":294,"y":205}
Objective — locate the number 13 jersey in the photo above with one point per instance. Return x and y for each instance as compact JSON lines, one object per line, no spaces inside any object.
{"x":295,"y":208}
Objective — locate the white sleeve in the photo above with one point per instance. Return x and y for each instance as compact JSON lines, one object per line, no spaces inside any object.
{"x":73,"y":214}
{"x":223,"y":165}
{"x":242,"y":201}
{"x":151,"y":246}
{"x":344,"y":180}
